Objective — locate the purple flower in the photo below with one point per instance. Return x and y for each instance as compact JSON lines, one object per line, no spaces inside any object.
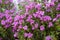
{"x":58,"y":7}
{"x":25,"y":27}
{"x":32,"y":4}
{"x":48,"y":10}
{"x":18,"y":30}
{"x":31,"y":21}
{"x":35,"y":15}
{"x":30,"y":35}
{"x":50,"y":24}
{"x":1,"y":15}
{"x":25,"y":34}
{"x":21,"y":21}
{"x":41,"y":17}
{"x":22,"y":17}
{"x":41,"y":13}
{"x":15,"y":23}
{"x":47,"y":18}
{"x":14,"y":28}
{"x":47,"y":5}
{"x":54,"y":19}
{"x":33,"y":27}
{"x":7,"y":25}
{"x":54,"y":0}
{"x":27,"y":8}
{"x":9,"y":20}
{"x":52,"y":4}
{"x":58,"y":16}
{"x":42,"y":28}
{"x":16,"y":34}
{"x":6,"y":1}
{"x":36,"y":25}
{"x":11,"y":1}
{"x":27,"y":13}
{"x":30,"y":16}
{"x":16,"y":18}
{"x":45,"y":1}
{"x":28,"y":19}
{"x":3,"y":22}
{"x":38,"y":6}
{"x":12,"y":11}
{"x":0,"y":1}
{"x":7,"y":11}
{"x":20,"y":26}
{"x":7,"y":16}
{"x":48,"y":38}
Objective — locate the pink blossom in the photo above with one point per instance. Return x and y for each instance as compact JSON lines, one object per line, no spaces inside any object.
{"x":0,"y":1}
{"x":38,"y":6}
{"x":30,"y":35}
{"x":33,"y":28}
{"x":25,"y":34}
{"x":25,"y":27}
{"x":16,"y":18}
{"x":36,"y":25}
{"x":54,"y":19}
{"x":50,"y":24}
{"x":16,"y":34}
{"x":3,"y":22}
{"x":48,"y":38}
{"x":20,"y":27}
{"x":42,"y":28}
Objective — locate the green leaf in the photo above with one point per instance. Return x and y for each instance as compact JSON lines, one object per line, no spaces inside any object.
{"x":58,"y":27}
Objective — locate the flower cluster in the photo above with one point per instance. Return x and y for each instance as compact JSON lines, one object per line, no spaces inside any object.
{"x":36,"y":20}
